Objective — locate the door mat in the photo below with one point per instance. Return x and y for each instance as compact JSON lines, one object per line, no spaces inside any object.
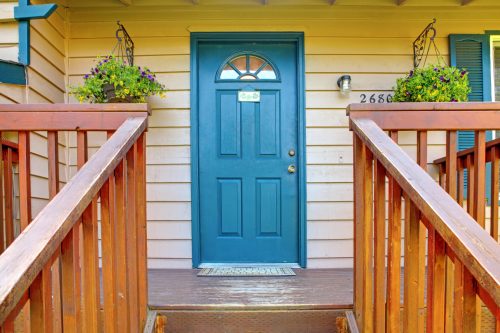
{"x":247,"y":271}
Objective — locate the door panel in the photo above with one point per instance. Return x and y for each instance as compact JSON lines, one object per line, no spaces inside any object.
{"x":248,"y":199}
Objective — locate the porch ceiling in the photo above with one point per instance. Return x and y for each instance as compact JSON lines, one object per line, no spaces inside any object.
{"x":280,"y":3}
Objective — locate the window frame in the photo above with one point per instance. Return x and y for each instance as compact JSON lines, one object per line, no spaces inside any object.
{"x":247,"y":53}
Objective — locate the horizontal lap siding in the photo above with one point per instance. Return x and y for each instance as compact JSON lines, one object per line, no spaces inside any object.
{"x":46,"y":84}
{"x":374,"y":53}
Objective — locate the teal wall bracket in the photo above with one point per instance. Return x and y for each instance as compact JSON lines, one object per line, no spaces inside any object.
{"x":15,"y":72}
{"x":25,"y":12}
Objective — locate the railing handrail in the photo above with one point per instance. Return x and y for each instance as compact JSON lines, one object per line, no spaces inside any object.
{"x":470,"y":151}
{"x":429,"y":116}
{"x":63,"y":107}
{"x":479,"y":253}
{"x":23,"y":260}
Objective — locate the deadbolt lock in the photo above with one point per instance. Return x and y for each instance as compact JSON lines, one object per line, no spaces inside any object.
{"x":291,"y":152}
{"x":291,"y":168}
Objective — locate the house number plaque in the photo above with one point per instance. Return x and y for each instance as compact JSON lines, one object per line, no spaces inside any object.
{"x":248,"y":96}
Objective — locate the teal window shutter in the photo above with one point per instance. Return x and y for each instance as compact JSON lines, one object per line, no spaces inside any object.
{"x":472,"y":52}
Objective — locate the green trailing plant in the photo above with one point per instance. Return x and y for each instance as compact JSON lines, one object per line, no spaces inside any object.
{"x":433,"y":84}
{"x":112,"y":80}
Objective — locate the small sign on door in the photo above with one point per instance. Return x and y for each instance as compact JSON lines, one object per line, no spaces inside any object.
{"x":249,"y":96}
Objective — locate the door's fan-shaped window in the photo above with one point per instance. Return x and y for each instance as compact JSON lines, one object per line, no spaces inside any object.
{"x":247,"y":67}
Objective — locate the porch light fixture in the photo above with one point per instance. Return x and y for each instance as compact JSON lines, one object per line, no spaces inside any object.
{"x":344,"y":83}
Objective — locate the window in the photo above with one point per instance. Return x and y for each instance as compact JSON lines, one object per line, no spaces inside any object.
{"x":247,"y":67}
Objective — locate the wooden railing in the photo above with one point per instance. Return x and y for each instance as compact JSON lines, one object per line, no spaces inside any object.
{"x":449,"y":259}
{"x":50,"y":274}
{"x":466,"y":161}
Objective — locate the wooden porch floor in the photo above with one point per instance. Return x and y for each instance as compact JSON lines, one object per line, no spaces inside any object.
{"x":182,"y":289}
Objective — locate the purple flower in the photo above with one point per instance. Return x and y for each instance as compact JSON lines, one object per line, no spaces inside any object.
{"x":143,"y":73}
{"x":454,"y":100}
{"x":411,"y":73}
{"x":150,"y":77}
{"x":97,"y":70}
{"x":462,"y":73}
{"x":435,"y":69}
{"x":86,"y":76}
{"x":105,"y":60}
{"x":442,"y":78}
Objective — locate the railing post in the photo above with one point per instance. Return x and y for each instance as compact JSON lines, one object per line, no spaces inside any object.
{"x":131,"y":239}
{"x":142,"y":229}
{"x":363,"y":235}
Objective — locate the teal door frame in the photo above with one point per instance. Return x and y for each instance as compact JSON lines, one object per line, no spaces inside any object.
{"x":296,"y":37}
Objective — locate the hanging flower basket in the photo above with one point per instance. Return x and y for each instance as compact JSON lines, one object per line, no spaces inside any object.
{"x":114,"y":81}
{"x":433,"y":84}
{"x":110,"y":94}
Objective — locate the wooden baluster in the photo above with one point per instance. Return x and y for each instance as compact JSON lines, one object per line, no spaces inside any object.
{"x":123,"y":319}
{"x":411,"y":271}
{"x":436,"y":282}
{"x":131,"y":239}
{"x":394,"y":258}
{"x":24,"y":179}
{"x":25,"y":218}
{"x":470,"y":183}
{"x":394,"y":254}
{"x":53,"y":172}
{"x":142,"y":229}
{"x":451,"y":188}
{"x":379,"y":249}
{"x":460,"y":182}
{"x":495,"y":176}
{"x":442,"y":175}
{"x":109,"y":259}
{"x":108,"y":232}
{"x":422,"y":234}
{"x":9,"y":193}
{"x":90,"y":265}
{"x":458,"y":297}
{"x":71,"y":279}
{"x":8,"y":324}
{"x":479,"y":194}
{"x":470,"y":321}
{"x":479,"y":177}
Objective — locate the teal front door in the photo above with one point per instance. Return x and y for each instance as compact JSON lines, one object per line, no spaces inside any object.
{"x":248,"y":152}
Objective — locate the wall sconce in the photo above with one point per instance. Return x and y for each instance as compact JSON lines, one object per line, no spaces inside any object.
{"x":344,"y":83}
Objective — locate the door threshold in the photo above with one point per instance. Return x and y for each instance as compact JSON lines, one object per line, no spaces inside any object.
{"x":218,"y":265}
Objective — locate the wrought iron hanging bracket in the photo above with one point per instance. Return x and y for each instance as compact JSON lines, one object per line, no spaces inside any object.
{"x":125,"y":44}
{"x":423,"y":43}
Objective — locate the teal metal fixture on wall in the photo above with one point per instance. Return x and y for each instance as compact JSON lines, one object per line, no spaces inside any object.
{"x":12,"y":72}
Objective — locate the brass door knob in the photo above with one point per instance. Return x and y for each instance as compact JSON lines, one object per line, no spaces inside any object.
{"x":291,"y":168}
